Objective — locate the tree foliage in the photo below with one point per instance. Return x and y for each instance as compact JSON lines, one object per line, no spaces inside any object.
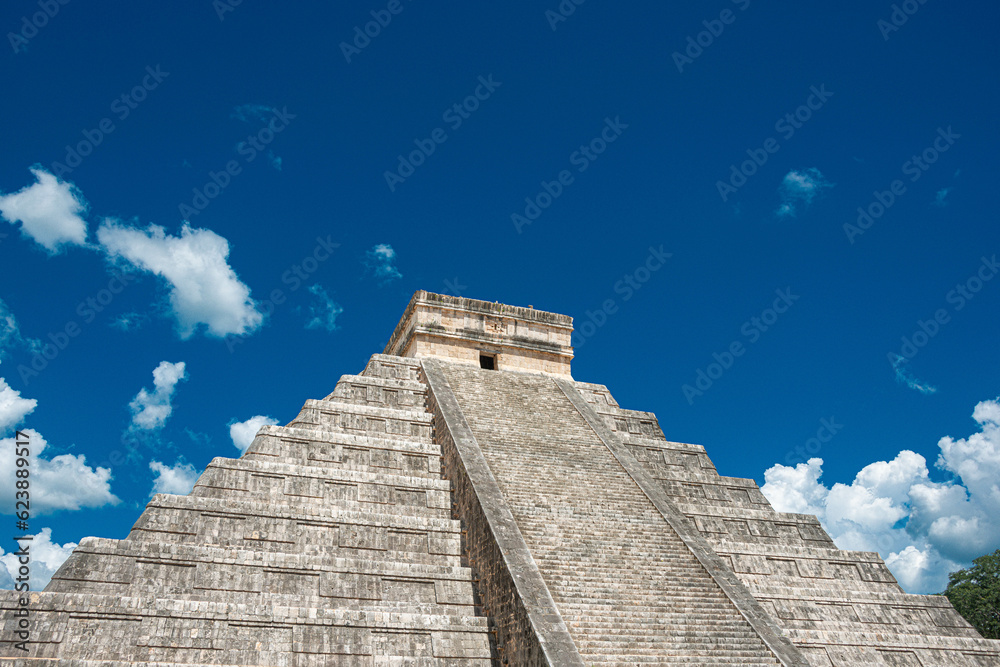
{"x":975,"y":593}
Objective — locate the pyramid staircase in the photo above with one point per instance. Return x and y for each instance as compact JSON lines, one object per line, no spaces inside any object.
{"x":627,"y":587}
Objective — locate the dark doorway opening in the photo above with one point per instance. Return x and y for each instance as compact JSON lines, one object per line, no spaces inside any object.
{"x":488,"y":361}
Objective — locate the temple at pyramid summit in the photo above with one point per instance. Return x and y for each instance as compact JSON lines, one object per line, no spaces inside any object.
{"x":464,"y":501}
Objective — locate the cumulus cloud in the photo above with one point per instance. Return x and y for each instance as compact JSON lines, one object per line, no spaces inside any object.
{"x":150,"y":409}
{"x":46,"y":557}
{"x":204,"y":289}
{"x":904,"y":376}
{"x":64,"y":482}
{"x":380,"y":260}
{"x":243,"y":432}
{"x":49,"y":212}
{"x":323,"y":310}
{"x":13,"y":408}
{"x":922,"y":528}
{"x":178,"y":479}
{"x":798,"y":190}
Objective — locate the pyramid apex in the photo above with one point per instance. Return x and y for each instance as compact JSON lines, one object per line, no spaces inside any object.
{"x":484,"y":333}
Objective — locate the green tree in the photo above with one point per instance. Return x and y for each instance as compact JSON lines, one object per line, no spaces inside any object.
{"x":975,"y":593}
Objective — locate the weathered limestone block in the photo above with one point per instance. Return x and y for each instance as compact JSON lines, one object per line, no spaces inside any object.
{"x":315,"y":447}
{"x":143,"y":629}
{"x":379,"y":392}
{"x":333,"y":416}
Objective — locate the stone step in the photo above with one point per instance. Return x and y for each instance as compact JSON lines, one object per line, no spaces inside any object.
{"x":301,"y":528}
{"x":301,"y":660}
{"x":704,"y":645}
{"x":392,"y":367}
{"x":364,"y":420}
{"x":169,"y":570}
{"x":92,"y":627}
{"x":256,"y":480}
{"x":898,"y":640}
{"x":379,"y":392}
{"x":629,"y":659}
{"x":417,"y":414}
{"x":335,"y":449}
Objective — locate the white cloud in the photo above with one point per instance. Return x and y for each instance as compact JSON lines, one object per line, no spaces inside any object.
{"x":204,"y":289}
{"x":64,"y":482}
{"x":150,"y":410}
{"x":48,"y":210}
{"x":921,"y":570}
{"x":904,"y":376}
{"x":178,"y":479}
{"x":46,"y":557}
{"x":941,"y":197}
{"x":798,"y":189}
{"x":130,"y":321}
{"x":323,"y":310}
{"x":976,"y":459}
{"x":243,"y":433}
{"x":922,"y":528}
{"x":13,"y":408}
{"x":380,"y":260}
{"x":10,"y":333}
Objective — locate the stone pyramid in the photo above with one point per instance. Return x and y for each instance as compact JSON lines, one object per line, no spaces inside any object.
{"x":463,"y":501}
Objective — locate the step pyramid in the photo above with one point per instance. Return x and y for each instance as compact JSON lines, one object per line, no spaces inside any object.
{"x":331,"y":541}
{"x":465,"y":501}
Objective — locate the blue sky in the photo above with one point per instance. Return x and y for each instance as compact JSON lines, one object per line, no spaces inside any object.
{"x":249,"y":194}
